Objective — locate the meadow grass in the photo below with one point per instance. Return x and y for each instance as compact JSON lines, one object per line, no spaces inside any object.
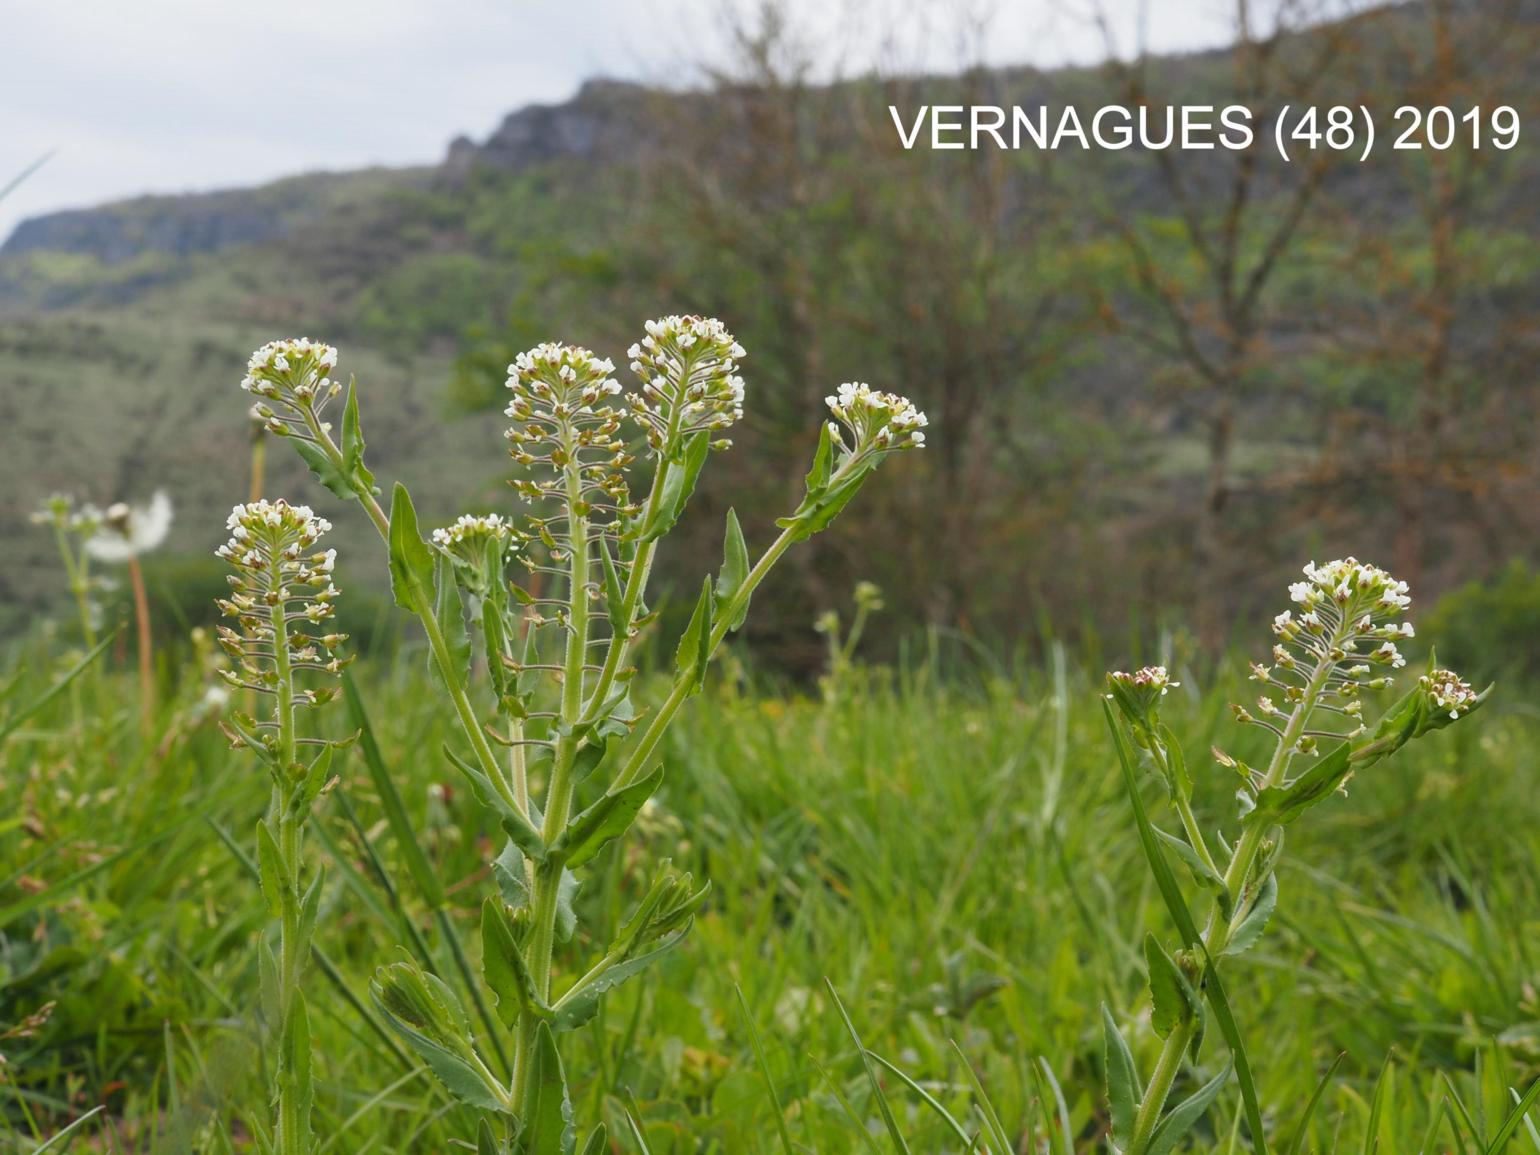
{"x":954,"y":854}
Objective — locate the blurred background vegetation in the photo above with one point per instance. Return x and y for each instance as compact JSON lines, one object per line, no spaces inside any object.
{"x":1159,"y":382}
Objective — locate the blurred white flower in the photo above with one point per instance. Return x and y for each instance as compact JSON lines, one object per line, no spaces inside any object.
{"x":129,"y":531}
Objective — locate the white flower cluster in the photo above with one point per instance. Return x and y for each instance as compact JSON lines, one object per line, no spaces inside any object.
{"x":1153,"y":679}
{"x":559,"y":406}
{"x":471,"y":529}
{"x":1448,"y":691}
{"x":688,"y":367}
{"x":1352,"y":599}
{"x":466,"y":544}
{"x":61,"y":512}
{"x":295,"y":372}
{"x":1344,"y":629}
{"x":1138,"y":695}
{"x":272,"y":546}
{"x":877,"y":421}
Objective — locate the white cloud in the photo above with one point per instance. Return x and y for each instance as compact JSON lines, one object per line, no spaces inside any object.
{"x":178,"y":95}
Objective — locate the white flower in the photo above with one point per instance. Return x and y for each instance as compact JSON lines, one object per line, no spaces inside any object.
{"x":469,"y":527}
{"x":877,"y":421}
{"x":1449,"y":691}
{"x":293,"y":372}
{"x":688,"y":367}
{"x":128,"y":531}
{"x":562,"y":419}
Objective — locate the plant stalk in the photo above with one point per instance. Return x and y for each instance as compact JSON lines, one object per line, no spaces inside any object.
{"x":1216,"y":933}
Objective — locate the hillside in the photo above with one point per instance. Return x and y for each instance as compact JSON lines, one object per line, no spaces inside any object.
{"x":123,"y":329}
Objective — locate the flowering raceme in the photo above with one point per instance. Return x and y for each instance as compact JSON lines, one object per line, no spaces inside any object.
{"x":688,"y":367}
{"x":280,"y":589}
{"x":876,"y":421}
{"x":554,"y":685}
{"x":1341,"y":641}
{"x":280,"y":594}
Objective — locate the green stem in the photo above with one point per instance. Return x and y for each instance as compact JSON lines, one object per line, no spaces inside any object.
{"x":558,"y":802}
{"x":680,"y":691}
{"x":80,"y":586}
{"x":291,"y":1122}
{"x":1216,"y":933}
{"x":630,"y":601}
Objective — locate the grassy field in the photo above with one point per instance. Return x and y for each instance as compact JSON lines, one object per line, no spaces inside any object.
{"x":954,"y":853}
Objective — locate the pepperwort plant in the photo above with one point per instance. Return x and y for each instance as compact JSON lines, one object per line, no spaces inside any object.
{"x":1338,"y":644}
{"x":281,"y":596}
{"x":559,"y":744}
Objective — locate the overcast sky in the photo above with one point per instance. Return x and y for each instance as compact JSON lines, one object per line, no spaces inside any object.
{"x":134,"y":96}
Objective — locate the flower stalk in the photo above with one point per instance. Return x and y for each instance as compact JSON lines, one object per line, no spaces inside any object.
{"x":1342,"y":643}
{"x":281,"y":592}
{"x":558,"y":686}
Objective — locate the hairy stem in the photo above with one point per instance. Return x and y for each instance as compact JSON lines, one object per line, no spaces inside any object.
{"x":1216,"y":933}
{"x":291,"y":1122}
{"x":558,"y":802}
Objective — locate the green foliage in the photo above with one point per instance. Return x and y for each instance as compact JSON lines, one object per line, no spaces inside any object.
{"x":1489,"y":627}
{"x":918,"y":793}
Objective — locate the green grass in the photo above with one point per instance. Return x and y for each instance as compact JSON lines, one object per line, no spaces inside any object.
{"x":956,"y":857}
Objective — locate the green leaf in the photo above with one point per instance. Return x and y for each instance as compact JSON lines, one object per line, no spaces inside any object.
{"x":273,"y":876}
{"x":486,"y":1141}
{"x":817,"y":479}
{"x":1250,"y":927}
{"x":1190,"y":858}
{"x":579,"y":1005}
{"x":267,"y":983}
{"x":1181,"y":779}
{"x":503,"y":966}
{"x":1179,"y":1119}
{"x":598,"y":1142}
{"x":449,"y":612}
{"x":588,"y":757}
{"x":1123,"y":1090}
{"x":1175,"y":1002}
{"x":1171,"y":894}
{"x":411,"y":561}
{"x":614,"y":597}
{"x":1284,"y":804}
{"x":694,"y":649}
{"x":608,"y":818}
{"x":432,"y":1020}
{"x":316,"y":777}
{"x":294,"y":1069}
{"x":549,"y":1129}
{"x":678,"y":486}
{"x":325,"y":469}
{"x":816,"y":513}
{"x":512,"y":881}
{"x":353,"y":442}
{"x":735,"y":569}
{"x":514,"y":824}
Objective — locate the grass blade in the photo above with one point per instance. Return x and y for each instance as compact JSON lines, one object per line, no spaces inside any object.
{"x":883,"y":1109}
{"x":68,"y":1133}
{"x":764,"y":1067}
{"x":13,"y":723}
{"x":929,"y":1100}
{"x":1315,"y":1102}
